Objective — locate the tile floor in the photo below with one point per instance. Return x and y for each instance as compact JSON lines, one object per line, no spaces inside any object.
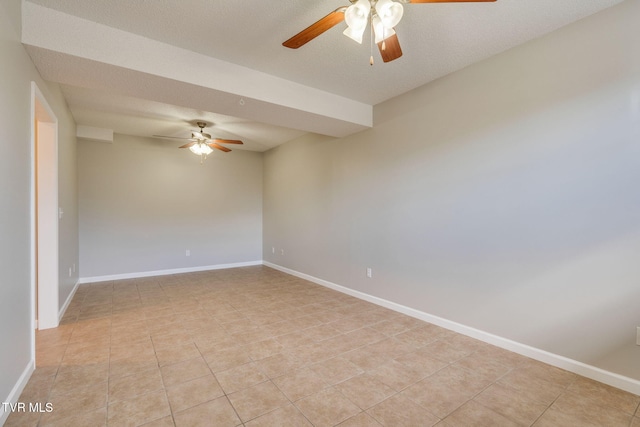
{"x":256,"y":347}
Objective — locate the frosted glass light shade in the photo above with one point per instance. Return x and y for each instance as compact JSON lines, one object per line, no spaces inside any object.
{"x":354,"y":34}
{"x":380,"y":31}
{"x":200,"y":148}
{"x":356,"y":18}
{"x":390,"y":12}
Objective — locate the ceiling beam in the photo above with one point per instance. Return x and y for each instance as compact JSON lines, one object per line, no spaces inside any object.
{"x":75,"y":51}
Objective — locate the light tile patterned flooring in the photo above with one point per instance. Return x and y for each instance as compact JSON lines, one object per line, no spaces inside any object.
{"x":256,"y":347}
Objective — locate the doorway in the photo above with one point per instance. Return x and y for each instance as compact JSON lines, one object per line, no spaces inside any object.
{"x":44,"y":212}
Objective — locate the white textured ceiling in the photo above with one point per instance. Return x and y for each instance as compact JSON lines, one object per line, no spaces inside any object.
{"x":154,"y":67}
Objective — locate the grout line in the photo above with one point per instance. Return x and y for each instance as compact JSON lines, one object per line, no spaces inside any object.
{"x":171,"y":297}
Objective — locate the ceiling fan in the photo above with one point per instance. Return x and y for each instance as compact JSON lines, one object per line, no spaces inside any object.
{"x":201,"y":142}
{"x":383,"y":15}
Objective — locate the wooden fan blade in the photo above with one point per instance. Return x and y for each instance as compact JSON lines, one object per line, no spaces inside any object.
{"x":219,"y":147}
{"x":187,"y":145}
{"x":391,"y":49}
{"x":314,"y":30}
{"x":227,"y":141}
{"x":451,"y":1}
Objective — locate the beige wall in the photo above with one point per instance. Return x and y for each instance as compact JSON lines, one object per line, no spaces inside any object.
{"x":503,"y":197}
{"x":144,"y":202}
{"x":16,"y":314}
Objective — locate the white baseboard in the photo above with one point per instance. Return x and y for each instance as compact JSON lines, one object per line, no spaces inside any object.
{"x":615,"y":380}
{"x":68,"y":301}
{"x":17,"y":390}
{"x":96,"y":279}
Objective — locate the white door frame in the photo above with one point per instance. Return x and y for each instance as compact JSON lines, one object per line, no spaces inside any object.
{"x":44,"y":213}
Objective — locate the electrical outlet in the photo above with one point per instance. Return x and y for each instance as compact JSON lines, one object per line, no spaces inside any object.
{"x":69,"y":271}
{"x":638,"y":335}
{"x":369,"y":273}
{"x":273,"y":249}
{"x":187,"y":252}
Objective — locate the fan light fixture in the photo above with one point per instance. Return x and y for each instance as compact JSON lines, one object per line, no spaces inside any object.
{"x":200,"y":148}
{"x":383,"y":14}
{"x":201,"y":143}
